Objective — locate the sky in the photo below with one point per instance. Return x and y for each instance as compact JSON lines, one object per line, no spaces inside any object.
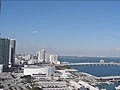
{"x":72,"y":28}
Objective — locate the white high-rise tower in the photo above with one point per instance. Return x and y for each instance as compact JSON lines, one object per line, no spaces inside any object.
{"x":53,"y":58}
{"x":12,"y":52}
{"x":41,"y":55}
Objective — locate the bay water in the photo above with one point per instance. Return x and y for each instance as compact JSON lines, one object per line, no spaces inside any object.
{"x":110,"y":70}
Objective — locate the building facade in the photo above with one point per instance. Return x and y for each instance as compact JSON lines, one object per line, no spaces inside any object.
{"x":41,"y":55}
{"x":39,"y":72}
{"x":12,"y":52}
{"x":7,"y":52}
{"x":53,"y":58}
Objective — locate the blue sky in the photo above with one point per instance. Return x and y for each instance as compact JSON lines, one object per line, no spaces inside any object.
{"x":63,"y":27}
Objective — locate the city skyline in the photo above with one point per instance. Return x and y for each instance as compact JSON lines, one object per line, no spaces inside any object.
{"x":75,"y":28}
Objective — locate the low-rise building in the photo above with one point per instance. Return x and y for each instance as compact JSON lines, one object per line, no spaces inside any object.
{"x":76,"y":86}
{"x":39,"y":72}
{"x":52,"y":85}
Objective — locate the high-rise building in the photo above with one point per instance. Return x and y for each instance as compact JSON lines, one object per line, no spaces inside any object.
{"x":47,"y":57}
{"x":41,"y":55}
{"x":7,"y":52}
{"x":53,"y":58}
{"x":12,"y":52}
{"x":4,"y":52}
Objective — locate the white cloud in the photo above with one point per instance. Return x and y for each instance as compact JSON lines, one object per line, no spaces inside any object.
{"x":33,"y":32}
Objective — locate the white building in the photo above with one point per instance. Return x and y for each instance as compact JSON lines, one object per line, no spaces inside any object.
{"x":76,"y":85}
{"x":31,"y":61}
{"x":39,"y":72}
{"x":53,"y":58}
{"x":52,"y":85}
{"x":1,"y":68}
{"x":41,"y":55}
{"x":17,"y":61}
{"x":12,"y":52}
{"x":86,"y":85}
{"x":27,"y":57}
{"x":102,"y":61}
{"x":47,"y":57}
{"x":64,"y":74}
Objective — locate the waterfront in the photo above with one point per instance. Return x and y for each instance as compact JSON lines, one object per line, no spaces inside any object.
{"x":99,"y":70}
{"x":96,"y":70}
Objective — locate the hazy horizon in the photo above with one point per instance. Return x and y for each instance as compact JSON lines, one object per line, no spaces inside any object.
{"x":69,"y":28}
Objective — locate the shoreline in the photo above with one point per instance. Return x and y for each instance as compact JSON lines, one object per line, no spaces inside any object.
{"x":98,"y":80}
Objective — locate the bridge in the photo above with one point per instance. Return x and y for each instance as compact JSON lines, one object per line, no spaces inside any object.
{"x":89,"y":63}
{"x":109,"y":77}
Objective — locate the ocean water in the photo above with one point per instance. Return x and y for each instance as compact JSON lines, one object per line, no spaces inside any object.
{"x":96,"y":70}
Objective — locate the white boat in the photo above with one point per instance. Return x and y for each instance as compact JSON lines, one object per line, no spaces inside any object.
{"x":117,"y":88}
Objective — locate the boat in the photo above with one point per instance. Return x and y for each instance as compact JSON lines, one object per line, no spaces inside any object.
{"x":117,"y":88}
